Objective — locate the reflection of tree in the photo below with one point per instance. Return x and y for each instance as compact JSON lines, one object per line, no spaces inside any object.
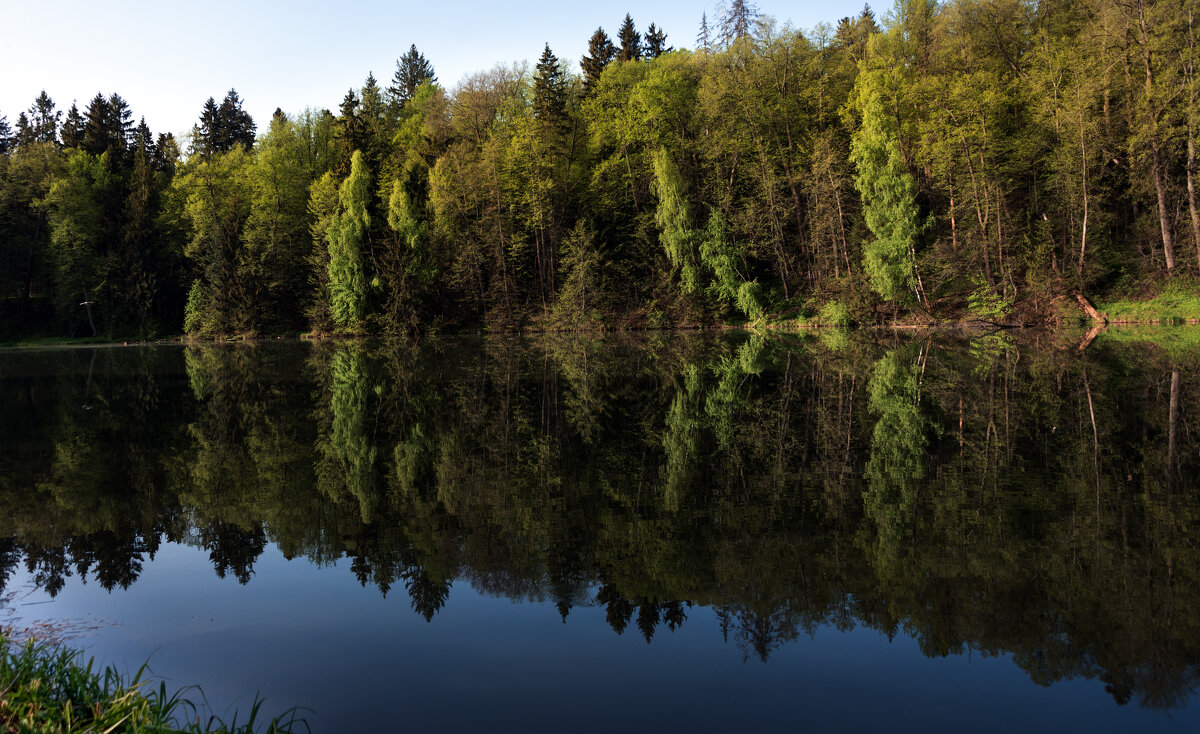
{"x":756,"y":632}
{"x":428,"y":594}
{"x":351,"y":436}
{"x":897,"y":462}
{"x":1053,"y":521}
{"x":233,"y":549}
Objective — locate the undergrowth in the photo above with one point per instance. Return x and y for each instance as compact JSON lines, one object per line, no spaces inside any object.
{"x":50,"y":688}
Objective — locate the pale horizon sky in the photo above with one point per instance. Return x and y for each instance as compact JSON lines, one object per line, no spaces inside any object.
{"x":166,"y":59}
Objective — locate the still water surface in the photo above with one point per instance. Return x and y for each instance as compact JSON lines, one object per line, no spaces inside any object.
{"x":718,"y":533}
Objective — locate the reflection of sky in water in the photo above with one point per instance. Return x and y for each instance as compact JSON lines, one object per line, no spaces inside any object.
{"x":301,"y":635}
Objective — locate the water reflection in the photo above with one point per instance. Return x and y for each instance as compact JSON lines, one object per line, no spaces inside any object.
{"x":990,"y":496}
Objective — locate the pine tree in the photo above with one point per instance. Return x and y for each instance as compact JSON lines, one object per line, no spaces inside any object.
{"x":600,"y":52}
{"x":550,"y":92}
{"x":347,"y":237}
{"x":631,"y":41}
{"x":5,"y":135}
{"x":412,"y":70}
{"x":656,"y":43}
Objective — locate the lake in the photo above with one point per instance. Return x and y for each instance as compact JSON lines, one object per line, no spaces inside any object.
{"x":712,"y":532}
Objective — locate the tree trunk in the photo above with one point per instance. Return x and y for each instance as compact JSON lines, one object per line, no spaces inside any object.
{"x":1164,"y":218}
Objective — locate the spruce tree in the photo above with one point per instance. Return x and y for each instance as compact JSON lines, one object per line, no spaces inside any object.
{"x":24,"y":135}
{"x":72,"y":128}
{"x":102,"y":132}
{"x":631,"y":41}
{"x":204,"y":134}
{"x":5,"y":135}
{"x":235,"y":126}
{"x":412,"y":70}
{"x":550,"y":92}
{"x":43,"y":119}
{"x":600,"y":52}
{"x":656,"y":43}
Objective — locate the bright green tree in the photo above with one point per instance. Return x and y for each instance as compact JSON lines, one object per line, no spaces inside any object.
{"x":883,"y":181}
{"x":347,"y":237}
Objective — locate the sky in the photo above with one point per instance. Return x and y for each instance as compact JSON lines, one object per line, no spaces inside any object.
{"x":166,"y":58}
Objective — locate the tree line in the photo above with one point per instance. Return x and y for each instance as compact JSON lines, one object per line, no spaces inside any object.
{"x":973,"y":156}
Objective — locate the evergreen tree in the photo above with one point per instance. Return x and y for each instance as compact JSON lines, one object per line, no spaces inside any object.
{"x":412,"y":69}
{"x":737,"y":21}
{"x":5,"y":135}
{"x":351,"y":132}
{"x":656,"y":43}
{"x":631,"y":41}
{"x":166,"y":153}
{"x":704,"y":36}
{"x":235,"y":125}
{"x":347,"y":238}
{"x":204,"y":134}
{"x":72,"y":128}
{"x":143,"y":140}
{"x":223,"y":127}
{"x":43,"y":119}
{"x":600,"y":52}
{"x":550,"y":92}
{"x":24,"y":135}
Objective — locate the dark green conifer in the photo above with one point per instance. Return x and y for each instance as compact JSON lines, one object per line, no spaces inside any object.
{"x":550,"y":91}
{"x":412,"y":70}
{"x":24,"y":135}
{"x":43,"y":119}
{"x":600,"y":52}
{"x":72,"y":128}
{"x":656,"y":43}
{"x":631,"y":41}
{"x":102,"y":130}
{"x":236,"y":126}
{"x":5,"y":135}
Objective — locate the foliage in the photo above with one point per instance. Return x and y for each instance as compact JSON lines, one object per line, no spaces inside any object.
{"x":51,"y":688}
{"x":973,"y":152}
{"x":347,"y":237}
{"x":834,"y":313}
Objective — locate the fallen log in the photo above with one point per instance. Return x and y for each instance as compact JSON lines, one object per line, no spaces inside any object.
{"x":1090,"y":310}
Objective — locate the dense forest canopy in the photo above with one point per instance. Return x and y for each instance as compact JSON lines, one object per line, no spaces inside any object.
{"x":979,"y":155}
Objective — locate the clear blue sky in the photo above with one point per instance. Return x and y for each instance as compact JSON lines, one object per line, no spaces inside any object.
{"x":166,"y":58}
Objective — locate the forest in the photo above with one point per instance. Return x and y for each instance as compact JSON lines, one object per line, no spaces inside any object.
{"x":982,"y":158}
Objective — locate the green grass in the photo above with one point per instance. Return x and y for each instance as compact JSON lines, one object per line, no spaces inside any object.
{"x":1176,"y":301}
{"x":49,"y":688}
{"x":1179,"y":344}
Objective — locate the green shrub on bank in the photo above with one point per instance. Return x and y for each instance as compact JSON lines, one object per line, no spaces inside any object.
{"x":49,"y":688}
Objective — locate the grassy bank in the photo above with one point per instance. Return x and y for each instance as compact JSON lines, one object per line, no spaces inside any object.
{"x":1173,"y":302}
{"x":49,"y":688}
